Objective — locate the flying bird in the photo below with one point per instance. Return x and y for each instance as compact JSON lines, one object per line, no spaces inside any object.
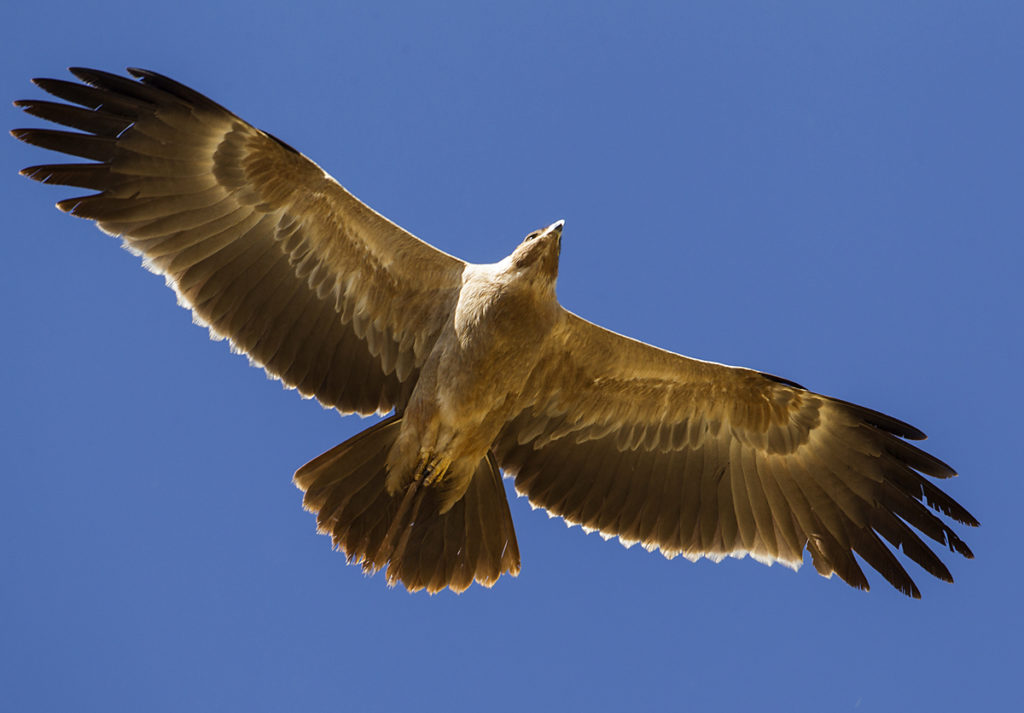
{"x":480,"y":368}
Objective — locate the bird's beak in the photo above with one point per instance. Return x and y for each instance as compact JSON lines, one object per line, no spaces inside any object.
{"x":555,"y":228}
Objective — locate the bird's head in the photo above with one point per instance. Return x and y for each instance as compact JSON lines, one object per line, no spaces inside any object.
{"x":537,"y":256}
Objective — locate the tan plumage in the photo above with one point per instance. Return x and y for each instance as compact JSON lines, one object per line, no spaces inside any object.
{"x":482,"y":368}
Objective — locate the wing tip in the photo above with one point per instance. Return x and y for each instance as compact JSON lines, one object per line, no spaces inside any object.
{"x":92,"y":77}
{"x":884,"y":422}
{"x":69,"y":205}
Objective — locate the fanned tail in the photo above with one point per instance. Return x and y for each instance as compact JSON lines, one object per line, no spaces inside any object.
{"x":422,"y":549}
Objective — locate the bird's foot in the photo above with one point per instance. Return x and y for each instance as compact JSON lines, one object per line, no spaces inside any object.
{"x":432,"y":468}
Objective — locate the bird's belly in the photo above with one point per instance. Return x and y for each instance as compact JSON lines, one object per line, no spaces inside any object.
{"x":473,"y":396}
{"x":467,"y":391}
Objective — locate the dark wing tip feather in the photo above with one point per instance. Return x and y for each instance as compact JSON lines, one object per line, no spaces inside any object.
{"x":969,"y":520}
{"x":117,"y":84}
{"x":73,"y":143}
{"x":75,"y":205}
{"x":76,"y":117}
{"x":919,"y":460}
{"x":39,"y":173}
{"x":887,"y":423}
{"x":781,"y":380}
{"x":176,"y":89}
{"x":959,"y":546}
{"x":48,"y":83}
{"x":875,"y":418}
{"x":97,"y":77}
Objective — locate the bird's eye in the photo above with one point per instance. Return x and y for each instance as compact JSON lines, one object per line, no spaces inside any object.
{"x":532,"y":235}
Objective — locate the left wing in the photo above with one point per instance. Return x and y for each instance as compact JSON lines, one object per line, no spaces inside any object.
{"x":701,"y":459}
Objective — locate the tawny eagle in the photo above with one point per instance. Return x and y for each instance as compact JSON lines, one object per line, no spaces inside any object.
{"x":481,"y":368}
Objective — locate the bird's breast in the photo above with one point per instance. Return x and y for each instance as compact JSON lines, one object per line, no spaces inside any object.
{"x":498,"y":328}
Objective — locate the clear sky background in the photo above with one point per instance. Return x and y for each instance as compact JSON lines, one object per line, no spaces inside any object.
{"x":831,"y":192}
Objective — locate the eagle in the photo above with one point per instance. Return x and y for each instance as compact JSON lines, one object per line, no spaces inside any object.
{"x":478,"y":369}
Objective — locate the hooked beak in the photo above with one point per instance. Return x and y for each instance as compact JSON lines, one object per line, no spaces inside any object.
{"x":554,"y":229}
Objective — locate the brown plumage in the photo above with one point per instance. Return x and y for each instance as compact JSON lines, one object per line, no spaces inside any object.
{"x":482,"y":368}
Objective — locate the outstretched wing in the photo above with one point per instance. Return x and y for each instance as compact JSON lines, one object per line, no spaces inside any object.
{"x":262,"y":245}
{"x":706,"y":460}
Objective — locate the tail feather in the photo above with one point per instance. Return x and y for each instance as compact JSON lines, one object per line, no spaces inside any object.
{"x":421,"y":548}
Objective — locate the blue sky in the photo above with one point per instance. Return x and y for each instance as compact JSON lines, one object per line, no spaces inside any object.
{"x":830,"y":192}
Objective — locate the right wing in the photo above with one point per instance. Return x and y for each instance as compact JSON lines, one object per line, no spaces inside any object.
{"x":262,"y":245}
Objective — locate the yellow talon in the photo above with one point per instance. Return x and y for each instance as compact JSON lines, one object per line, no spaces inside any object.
{"x":436,"y":469}
{"x":423,"y":466}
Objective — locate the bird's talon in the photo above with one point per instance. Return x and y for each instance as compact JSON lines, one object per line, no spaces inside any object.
{"x":435,"y":470}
